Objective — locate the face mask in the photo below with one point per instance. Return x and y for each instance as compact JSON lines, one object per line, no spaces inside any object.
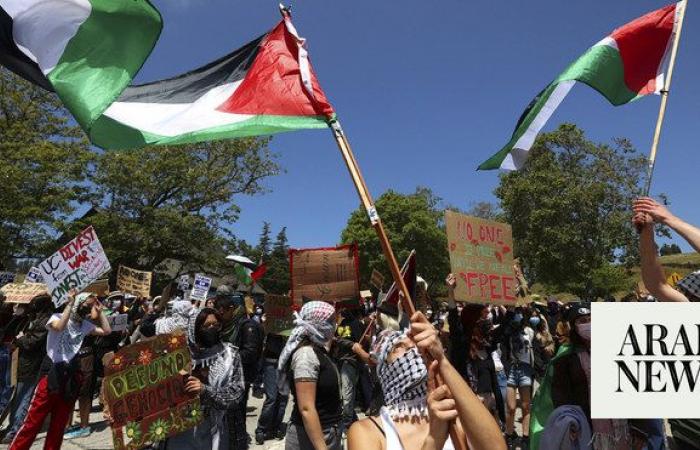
{"x":209,"y":337}
{"x":19,"y":310}
{"x":534,"y":321}
{"x":517,"y":319}
{"x":584,"y":330}
{"x":429,"y":312}
{"x":489,"y":316}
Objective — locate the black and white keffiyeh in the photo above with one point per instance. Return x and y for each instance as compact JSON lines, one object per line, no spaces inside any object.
{"x":315,"y":322}
{"x":691,"y":285}
{"x":404,"y":381}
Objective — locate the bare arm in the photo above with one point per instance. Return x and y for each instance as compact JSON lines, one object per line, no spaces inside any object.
{"x":364,"y":436}
{"x":60,"y":324}
{"x":451,"y":282}
{"x":104,"y":329}
{"x":481,"y":429}
{"x":660,"y":214}
{"x":306,"y":401}
{"x":652,"y":273}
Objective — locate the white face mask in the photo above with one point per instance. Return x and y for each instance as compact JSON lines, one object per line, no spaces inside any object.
{"x":584,"y":330}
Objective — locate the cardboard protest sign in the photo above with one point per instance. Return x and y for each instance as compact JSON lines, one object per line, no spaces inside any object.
{"x":98,"y":287}
{"x":135,"y":282}
{"x":144,"y":392}
{"x":377,"y":279}
{"x":118,"y":322}
{"x":74,"y":266}
{"x":6,"y":278}
{"x":34,"y":276}
{"x":201,"y":287}
{"x":481,"y":257}
{"x":328,"y":274}
{"x":279,"y":314}
{"x":23,"y":292}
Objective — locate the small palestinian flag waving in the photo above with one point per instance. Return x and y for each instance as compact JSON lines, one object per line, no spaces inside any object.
{"x":247,"y":272}
{"x":265,"y":87}
{"x":625,"y":66}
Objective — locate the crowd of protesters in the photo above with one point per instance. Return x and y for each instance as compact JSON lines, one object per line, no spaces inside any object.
{"x":455,"y":375}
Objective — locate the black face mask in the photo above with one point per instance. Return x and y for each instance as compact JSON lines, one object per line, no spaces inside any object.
{"x":209,"y":337}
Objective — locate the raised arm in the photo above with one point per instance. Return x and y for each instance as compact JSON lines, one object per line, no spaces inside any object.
{"x":481,"y":429}
{"x":660,"y":214}
{"x":104,"y":328}
{"x":60,"y":324}
{"x":652,"y":273}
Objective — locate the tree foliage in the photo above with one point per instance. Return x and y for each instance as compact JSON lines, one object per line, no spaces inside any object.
{"x":412,"y":221}
{"x":178,"y":202}
{"x":669,"y":249}
{"x":44,"y":162}
{"x":570,"y":209}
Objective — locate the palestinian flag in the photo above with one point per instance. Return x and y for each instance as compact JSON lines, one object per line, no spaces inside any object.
{"x":86,"y":50}
{"x":628,"y":64}
{"x":247,"y":272}
{"x":266,"y":86}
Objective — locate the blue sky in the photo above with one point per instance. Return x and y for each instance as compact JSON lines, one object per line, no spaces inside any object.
{"x":428,"y":90}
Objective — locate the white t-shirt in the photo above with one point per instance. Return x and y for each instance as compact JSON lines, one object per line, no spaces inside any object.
{"x":62,"y":346}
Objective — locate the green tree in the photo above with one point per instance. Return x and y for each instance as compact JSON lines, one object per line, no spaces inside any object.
{"x":570,"y":209}
{"x":178,"y":202}
{"x":44,"y":162}
{"x":412,"y":221}
{"x":276,"y":279}
{"x":672,"y":249}
{"x":484,"y":210}
{"x":263,"y":248}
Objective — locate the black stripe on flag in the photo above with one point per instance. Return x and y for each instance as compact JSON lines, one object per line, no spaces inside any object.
{"x":14,"y":59}
{"x":190,"y":86}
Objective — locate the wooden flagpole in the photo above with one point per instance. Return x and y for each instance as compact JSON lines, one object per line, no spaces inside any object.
{"x":374,"y":218}
{"x":664,"y":98}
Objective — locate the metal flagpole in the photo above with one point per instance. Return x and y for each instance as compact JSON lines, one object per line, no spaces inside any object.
{"x":664,"y":97}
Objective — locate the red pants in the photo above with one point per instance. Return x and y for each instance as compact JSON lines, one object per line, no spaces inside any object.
{"x":44,"y":403}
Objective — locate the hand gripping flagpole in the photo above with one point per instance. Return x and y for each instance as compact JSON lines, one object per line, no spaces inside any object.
{"x":664,"y":96}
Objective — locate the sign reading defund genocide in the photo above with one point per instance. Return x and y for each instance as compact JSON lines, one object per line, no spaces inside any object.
{"x":134,"y":282}
{"x":74,"y":266}
{"x":144,"y":392}
{"x":328,"y":274}
{"x":481,"y":257}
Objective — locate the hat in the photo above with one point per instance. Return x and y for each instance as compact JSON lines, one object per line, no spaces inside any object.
{"x":579,"y":309}
{"x":690,"y":284}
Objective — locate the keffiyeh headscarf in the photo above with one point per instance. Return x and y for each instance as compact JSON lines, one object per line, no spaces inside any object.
{"x":315,"y":322}
{"x":404,"y":381}
{"x":178,"y":318}
{"x":79,"y":300}
{"x":691,"y":285}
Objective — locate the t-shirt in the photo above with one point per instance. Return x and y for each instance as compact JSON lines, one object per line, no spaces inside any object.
{"x":305,"y":364}
{"x":521,"y":345}
{"x":62,"y":346}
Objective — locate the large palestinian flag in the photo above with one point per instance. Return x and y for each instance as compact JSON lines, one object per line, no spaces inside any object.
{"x":625,"y":66}
{"x":89,"y":51}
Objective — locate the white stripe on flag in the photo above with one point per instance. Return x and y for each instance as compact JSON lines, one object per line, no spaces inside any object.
{"x":42,"y":29}
{"x":518,"y":154}
{"x":174,"y":119}
{"x":303,"y":57}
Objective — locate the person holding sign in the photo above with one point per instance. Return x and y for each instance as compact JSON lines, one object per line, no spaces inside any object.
{"x":647,"y":212}
{"x":417,"y":413}
{"x":58,"y":386}
{"x":217,"y":378}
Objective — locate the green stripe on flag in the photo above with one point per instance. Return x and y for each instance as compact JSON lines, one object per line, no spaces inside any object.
{"x":109,"y":133}
{"x":601,"y":68}
{"x":105,"y":54}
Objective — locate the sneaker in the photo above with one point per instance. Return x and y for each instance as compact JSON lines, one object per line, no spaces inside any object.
{"x":525,"y":443}
{"x":260,"y":438}
{"x":512,"y":441}
{"x":78,"y":433}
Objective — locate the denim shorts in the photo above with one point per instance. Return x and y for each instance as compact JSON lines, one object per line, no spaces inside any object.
{"x":520,"y":375}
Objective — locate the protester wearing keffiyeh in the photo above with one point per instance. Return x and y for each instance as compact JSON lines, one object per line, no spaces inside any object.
{"x":404,"y":381}
{"x":315,"y":322}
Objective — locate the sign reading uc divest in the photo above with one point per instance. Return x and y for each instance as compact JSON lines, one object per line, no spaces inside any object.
{"x":481,"y":257}
{"x":74,"y":266}
{"x":144,"y":392}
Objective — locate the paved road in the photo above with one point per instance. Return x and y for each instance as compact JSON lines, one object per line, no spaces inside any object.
{"x":101,"y":438}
